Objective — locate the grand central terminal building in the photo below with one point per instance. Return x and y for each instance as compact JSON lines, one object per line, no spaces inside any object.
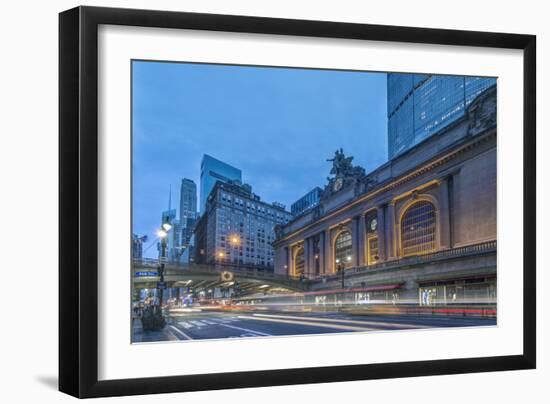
{"x":421,"y":228}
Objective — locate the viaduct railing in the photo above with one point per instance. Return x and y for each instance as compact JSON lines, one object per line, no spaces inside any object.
{"x":239,"y":271}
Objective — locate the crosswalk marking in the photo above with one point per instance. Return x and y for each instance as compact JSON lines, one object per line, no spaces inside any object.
{"x":180,"y":332}
{"x":256,"y":333}
{"x":210,"y":322}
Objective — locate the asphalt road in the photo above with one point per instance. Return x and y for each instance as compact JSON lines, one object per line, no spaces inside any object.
{"x":184,"y":326}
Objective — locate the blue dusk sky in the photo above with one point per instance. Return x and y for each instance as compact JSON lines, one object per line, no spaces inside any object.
{"x":277,"y":125}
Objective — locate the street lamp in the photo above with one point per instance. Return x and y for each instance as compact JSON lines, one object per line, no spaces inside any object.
{"x":340,"y":266}
{"x":162,"y":233}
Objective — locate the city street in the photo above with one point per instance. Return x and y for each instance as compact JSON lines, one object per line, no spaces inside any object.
{"x":216,"y":325}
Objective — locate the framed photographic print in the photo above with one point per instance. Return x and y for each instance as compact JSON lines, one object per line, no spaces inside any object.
{"x":250,"y":201}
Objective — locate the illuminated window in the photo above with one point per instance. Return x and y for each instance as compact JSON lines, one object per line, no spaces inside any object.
{"x":418,"y":229}
{"x":342,"y":249}
{"x":373,"y":250}
{"x":299,"y":262}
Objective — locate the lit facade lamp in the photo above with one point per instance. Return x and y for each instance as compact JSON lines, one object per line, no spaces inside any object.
{"x":162,"y":233}
{"x":340,"y":265}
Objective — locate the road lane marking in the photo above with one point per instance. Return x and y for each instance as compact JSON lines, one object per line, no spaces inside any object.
{"x":198,"y":323}
{"x":247,"y":330}
{"x":310,"y":323}
{"x":343,"y":321}
{"x":180,"y":332}
{"x":185,"y":324}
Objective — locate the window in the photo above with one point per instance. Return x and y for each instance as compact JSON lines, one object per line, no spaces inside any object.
{"x":299,"y":262}
{"x":373,"y":250}
{"x":418,"y":229}
{"x":342,"y":249}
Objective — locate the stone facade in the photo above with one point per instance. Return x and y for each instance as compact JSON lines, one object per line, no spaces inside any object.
{"x":449,"y":180}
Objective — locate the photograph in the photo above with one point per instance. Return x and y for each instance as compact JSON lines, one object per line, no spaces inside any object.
{"x":272,"y":201}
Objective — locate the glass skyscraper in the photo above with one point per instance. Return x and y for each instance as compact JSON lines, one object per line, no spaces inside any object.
{"x":188,"y":215}
{"x":213,"y":170}
{"x":306,"y":202}
{"x":188,"y":200}
{"x":420,"y":105}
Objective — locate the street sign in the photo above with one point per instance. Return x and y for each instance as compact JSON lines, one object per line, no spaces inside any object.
{"x":161,"y":285}
{"x":146,"y":273}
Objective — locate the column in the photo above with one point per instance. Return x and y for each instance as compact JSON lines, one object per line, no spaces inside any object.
{"x":291,"y":261}
{"x":355,"y":243}
{"x":313,"y":260}
{"x":322,"y":253}
{"x":444,"y":214}
{"x":287,"y":261}
{"x":329,"y":265}
{"x":306,"y":256}
{"x":390,"y":231}
{"x":380,"y":231}
{"x":362,"y":243}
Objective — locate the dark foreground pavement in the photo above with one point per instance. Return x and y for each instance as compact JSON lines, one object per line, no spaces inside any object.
{"x":184,"y":326}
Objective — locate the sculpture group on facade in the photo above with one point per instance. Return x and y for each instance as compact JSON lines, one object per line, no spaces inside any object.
{"x":346,"y":174}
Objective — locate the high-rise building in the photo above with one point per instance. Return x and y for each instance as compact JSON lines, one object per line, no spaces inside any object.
{"x":237,"y":228}
{"x":137,"y":246}
{"x":173,"y":242}
{"x":188,"y":199}
{"x":306,"y":202}
{"x":421,"y":105}
{"x":188,"y":215}
{"x":213,"y":170}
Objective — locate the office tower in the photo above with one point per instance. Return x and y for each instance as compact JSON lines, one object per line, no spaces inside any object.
{"x":188,"y":199}
{"x":188,"y":215}
{"x":213,"y":170}
{"x":306,"y":202}
{"x":173,"y":241}
{"x":237,"y":228}
{"x":137,"y":246}
{"x":421,"y":105}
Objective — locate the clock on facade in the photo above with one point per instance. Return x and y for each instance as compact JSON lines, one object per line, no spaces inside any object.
{"x":338,"y":182}
{"x":373,"y":224}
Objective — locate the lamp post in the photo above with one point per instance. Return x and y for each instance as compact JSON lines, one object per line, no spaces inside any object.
{"x":163,"y":235}
{"x":341,"y":266}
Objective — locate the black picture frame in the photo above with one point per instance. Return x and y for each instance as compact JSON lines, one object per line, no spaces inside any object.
{"x":78,"y":196}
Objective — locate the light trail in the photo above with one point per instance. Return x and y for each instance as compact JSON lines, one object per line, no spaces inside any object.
{"x":370,"y":323}
{"x":310,"y":323}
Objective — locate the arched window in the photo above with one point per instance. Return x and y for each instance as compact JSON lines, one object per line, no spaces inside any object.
{"x":299,"y":262}
{"x":342,"y":250}
{"x":418,"y":229}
